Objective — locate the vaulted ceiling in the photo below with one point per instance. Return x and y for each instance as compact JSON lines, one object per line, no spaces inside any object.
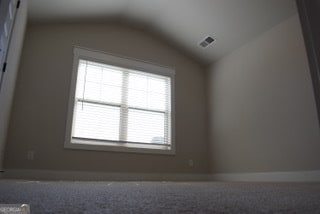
{"x":185,"y":23}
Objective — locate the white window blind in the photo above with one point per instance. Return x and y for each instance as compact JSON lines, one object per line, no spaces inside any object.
{"x":115,"y":104}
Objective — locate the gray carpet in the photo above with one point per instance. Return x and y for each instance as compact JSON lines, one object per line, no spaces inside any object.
{"x":162,"y":197}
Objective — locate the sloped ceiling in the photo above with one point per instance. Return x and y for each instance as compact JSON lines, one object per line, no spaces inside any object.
{"x":183,"y":22}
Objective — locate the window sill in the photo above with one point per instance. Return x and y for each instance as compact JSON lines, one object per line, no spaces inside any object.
{"x":116,"y":147}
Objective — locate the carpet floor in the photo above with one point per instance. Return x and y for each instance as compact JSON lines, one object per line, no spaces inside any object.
{"x":161,"y":197}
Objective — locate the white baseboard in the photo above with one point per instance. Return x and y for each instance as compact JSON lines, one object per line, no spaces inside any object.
{"x":33,"y":174}
{"x":99,"y":176}
{"x":296,"y":176}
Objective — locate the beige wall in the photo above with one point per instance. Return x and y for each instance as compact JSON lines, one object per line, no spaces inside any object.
{"x":263,"y":114}
{"x":261,"y":106}
{"x":9,"y":78}
{"x":39,"y":114}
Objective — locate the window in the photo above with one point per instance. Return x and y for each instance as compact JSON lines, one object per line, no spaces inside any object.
{"x":120,"y":104}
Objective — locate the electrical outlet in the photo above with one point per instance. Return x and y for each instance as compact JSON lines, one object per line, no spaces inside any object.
{"x":190,"y":162}
{"x":30,"y":155}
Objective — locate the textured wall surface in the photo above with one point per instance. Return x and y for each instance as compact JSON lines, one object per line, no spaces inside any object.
{"x":263,"y":114}
{"x":41,"y":101}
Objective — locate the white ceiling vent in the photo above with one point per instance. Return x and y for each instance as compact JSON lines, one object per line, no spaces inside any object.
{"x":207,"y":41}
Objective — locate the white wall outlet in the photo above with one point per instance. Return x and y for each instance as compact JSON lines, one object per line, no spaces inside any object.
{"x":190,"y":162}
{"x":30,"y":155}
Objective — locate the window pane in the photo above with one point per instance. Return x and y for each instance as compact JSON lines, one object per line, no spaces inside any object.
{"x":110,"y":94}
{"x":94,"y":73}
{"x":157,"y":101}
{"x":145,"y":126}
{"x":137,"y":98}
{"x":111,"y":77}
{"x":80,"y":79}
{"x":157,"y":85}
{"x":147,"y":92}
{"x":111,"y":84}
{"x":92,"y":91}
{"x":98,"y":82}
{"x":138,"y":82}
{"x":96,"y":121}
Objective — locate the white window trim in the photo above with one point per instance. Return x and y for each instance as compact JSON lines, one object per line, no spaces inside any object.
{"x":107,"y":58}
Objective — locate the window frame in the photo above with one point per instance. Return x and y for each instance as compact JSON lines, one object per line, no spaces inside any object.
{"x":80,"y":53}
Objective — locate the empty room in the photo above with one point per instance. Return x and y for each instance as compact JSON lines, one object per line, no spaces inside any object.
{"x":158,"y":106}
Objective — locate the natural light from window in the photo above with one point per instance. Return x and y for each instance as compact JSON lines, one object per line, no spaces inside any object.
{"x":118,"y":104}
